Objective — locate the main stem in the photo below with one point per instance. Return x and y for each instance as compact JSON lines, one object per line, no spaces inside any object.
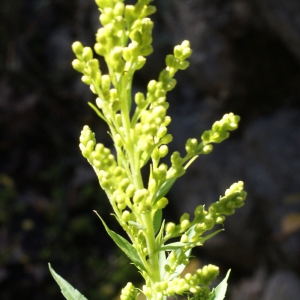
{"x":150,"y":240}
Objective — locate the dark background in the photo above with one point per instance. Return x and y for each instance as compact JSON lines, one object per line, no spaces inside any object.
{"x":246,"y":60}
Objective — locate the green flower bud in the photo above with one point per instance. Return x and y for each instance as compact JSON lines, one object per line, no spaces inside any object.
{"x":207,"y":149}
{"x":172,"y":257}
{"x":184,"y":216}
{"x":124,"y":183}
{"x":184,"y":238}
{"x":129,"y":292}
{"x":86,"y":79}
{"x":144,"y":208}
{"x":176,"y":159}
{"x":148,"y":10}
{"x":170,"y":227}
{"x":167,"y":139}
{"x":162,"y":203}
{"x":121,"y":206}
{"x":105,"y":82}
{"x":167,"y":268}
{"x":161,"y":172}
{"x":185,"y":44}
{"x":177,"y":54}
{"x":129,"y":14}
{"x":191,"y":146}
{"x":171,"y":62}
{"x":130,"y":190}
{"x":140,"y":100}
{"x":163,"y":150}
{"x":220,"y":219}
{"x":100,"y":49}
{"x":140,"y":195}
{"x":207,"y":274}
{"x":167,"y":121}
{"x":78,"y":65}
{"x":200,"y":228}
{"x":126,"y":216}
{"x":119,"y":9}
{"x":184,"y":225}
{"x":186,"y":53}
{"x":77,"y":49}
{"x":152,"y":86}
{"x":183,"y":65}
{"x":87,"y":54}
{"x":140,"y":62}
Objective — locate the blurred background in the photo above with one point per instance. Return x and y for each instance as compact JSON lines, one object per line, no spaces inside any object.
{"x":246,"y":60}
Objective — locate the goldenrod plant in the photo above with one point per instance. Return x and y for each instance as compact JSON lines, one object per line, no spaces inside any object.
{"x":138,"y":126}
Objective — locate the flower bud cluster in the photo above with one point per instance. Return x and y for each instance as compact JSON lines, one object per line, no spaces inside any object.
{"x":196,"y":283}
{"x":234,"y":198}
{"x":203,"y":294}
{"x":111,"y":177}
{"x":87,"y":65}
{"x":129,"y":292}
{"x":205,"y":220}
{"x":100,"y":158}
{"x":191,"y":231}
{"x":151,"y":131}
{"x":121,"y":22}
{"x":219,"y":131}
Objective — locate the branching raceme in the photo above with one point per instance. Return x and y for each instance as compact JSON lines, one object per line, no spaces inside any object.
{"x":138,"y":127}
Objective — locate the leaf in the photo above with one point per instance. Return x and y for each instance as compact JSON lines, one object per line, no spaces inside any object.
{"x":136,"y":225}
{"x":207,"y":237}
{"x":157,"y":220}
{"x":66,"y":288}
{"x":162,"y":260}
{"x":164,"y":189}
{"x":219,"y":292}
{"x":124,"y":245}
{"x":190,"y":233}
{"x":97,"y":111}
{"x":173,"y":246}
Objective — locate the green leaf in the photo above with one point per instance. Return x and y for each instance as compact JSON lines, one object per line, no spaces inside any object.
{"x":164,"y":189}
{"x":66,"y":288}
{"x":207,"y":237}
{"x":173,"y":246}
{"x":162,"y":260}
{"x":124,"y":245}
{"x":190,"y":233}
{"x":157,"y":220}
{"x":219,"y":292}
{"x":97,"y":111}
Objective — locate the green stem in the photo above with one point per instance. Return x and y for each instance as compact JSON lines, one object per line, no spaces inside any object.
{"x":150,"y":240}
{"x":125,"y":91}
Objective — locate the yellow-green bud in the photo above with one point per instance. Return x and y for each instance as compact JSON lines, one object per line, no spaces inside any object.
{"x":130,"y":190}
{"x":86,"y":79}
{"x":87,"y":54}
{"x":163,"y":150}
{"x":184,"y":238}
{"x":162,"y":203}
{"x":170,"y":227}
{"x":126,"y":216}
{"x":77,"y":48}
{"x":105,"y":82}
{"x":78,"y":65}
{"x":184,"y":225}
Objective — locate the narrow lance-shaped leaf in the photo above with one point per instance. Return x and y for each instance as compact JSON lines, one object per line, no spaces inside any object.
{"x":157,"y":220}
{"x":219,"y":292}
{"x":67,"y":289}
{"x":124,"y":245}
